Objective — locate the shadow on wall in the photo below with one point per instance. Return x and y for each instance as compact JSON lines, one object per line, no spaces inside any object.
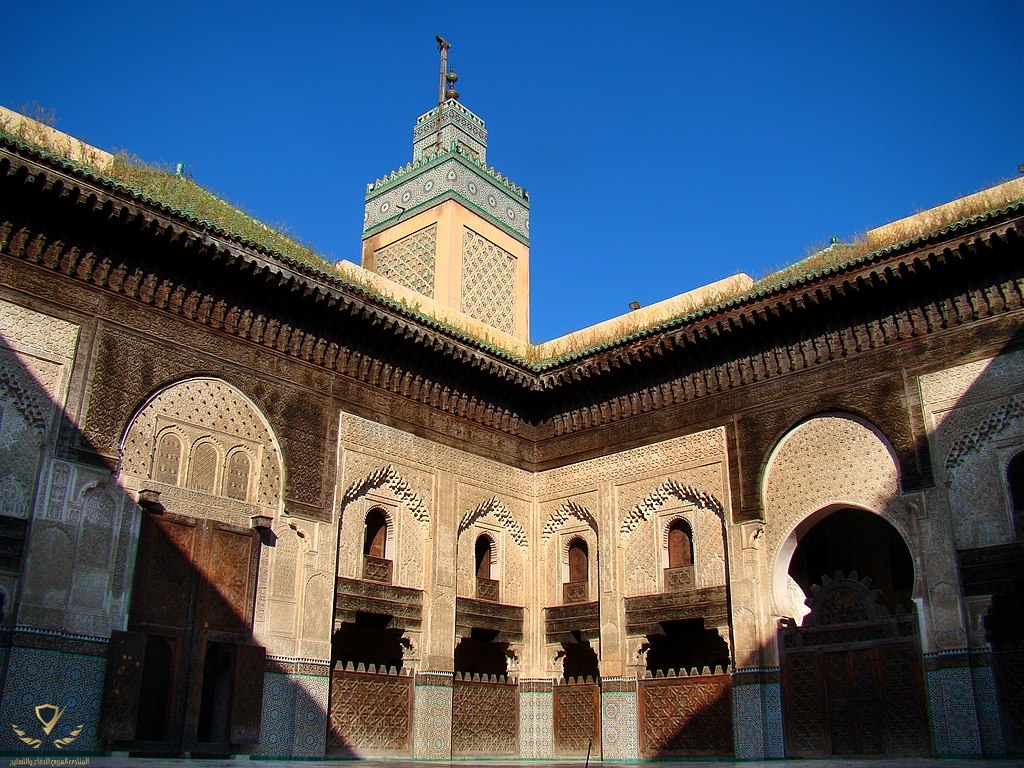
{"x":186,"y":676}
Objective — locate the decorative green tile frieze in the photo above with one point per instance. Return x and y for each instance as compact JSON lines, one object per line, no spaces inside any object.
{"x":450,"y":175}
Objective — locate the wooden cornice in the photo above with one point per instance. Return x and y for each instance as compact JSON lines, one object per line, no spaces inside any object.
{"x":95,"y":231}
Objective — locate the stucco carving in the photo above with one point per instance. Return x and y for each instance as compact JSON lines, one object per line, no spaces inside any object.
{"x":501,"y":513}
{"x":569,"y":508}
{"x":661,"y":494}
{"x":206,"y":410}
{"x":388,"y":477}
{"x":824,"y":461}
{"x":1002,"y":418}
{"x":36,"y":333}
{"x":693,"y":448}
{"x":381,"y":440}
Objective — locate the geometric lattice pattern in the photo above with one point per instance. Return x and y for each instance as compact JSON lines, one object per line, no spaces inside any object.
{"x":487,"y":716}
{"x":370,"y":714}
{"x":488,"y":282}
{"x":689,"y":717}
{"x":620,"y":738}
{"x":410,"y":261}
{"x":576,"y":718}
{"x":536,"y":729}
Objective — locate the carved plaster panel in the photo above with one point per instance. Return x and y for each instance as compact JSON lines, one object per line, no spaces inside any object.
{"x":696,"y":448}
{"x":199,"y":411}
{"x":370,"y":438}
{"x":960,"y":385}
{"x":826,"y":461}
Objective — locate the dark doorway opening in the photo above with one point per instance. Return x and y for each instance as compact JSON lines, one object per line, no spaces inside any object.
{"x":686,"y":644}
{"x":854,"y":540}
{"x":579,"y":659}
{"x":370,"y":639}
{"x":481,"y":653}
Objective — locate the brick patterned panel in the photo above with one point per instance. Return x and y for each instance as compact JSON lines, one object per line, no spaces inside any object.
{"x":686,"y":717}
{"x":370,"y":714}
{"x":485,"y":718}
{"x":577,"y":720}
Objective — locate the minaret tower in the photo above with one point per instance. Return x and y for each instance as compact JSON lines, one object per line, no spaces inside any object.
{"x":448,"y":226}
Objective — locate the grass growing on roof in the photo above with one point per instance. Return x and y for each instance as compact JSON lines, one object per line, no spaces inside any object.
{"x":183,"y":194}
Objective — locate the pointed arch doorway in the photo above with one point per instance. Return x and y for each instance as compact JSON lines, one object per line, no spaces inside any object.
{"x":852,"y":679}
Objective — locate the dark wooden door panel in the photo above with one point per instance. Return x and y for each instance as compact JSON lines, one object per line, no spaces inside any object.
{"x":165,"y":574}
{"x":122,"y":690}
{"x":192,"y":610}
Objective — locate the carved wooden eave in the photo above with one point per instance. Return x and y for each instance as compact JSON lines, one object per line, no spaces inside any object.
{"x":98,"y":233}
{"x":969,"y":273}
{"x":892,"y":309}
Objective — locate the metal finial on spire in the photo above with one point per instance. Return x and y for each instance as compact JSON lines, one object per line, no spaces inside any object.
{"x":442,"y":46}
{"x":446,"y":79}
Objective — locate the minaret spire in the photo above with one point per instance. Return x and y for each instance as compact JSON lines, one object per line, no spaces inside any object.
{"x":445,"y":84}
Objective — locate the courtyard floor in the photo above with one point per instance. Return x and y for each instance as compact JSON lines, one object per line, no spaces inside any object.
{"x":132,"y":762}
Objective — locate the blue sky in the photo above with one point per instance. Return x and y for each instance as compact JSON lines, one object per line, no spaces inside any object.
{"x":664,"y":144}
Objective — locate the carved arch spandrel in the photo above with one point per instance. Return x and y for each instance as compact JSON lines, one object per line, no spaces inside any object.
{"x":501,"y":513}
{"x":646,"y":507}
{"x":389,"y":478}
{"x":558,"y":518}
{"x":824,"y":461}
{"x":643,"y":533}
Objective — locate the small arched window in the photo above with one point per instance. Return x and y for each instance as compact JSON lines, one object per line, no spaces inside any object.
{"x":376,"y":566}
{"x":236,"y":482}
{"x":486,"y":585}
{"x":575,"y":589}
{"x":375,"y":542}
{"x":483,"y":557}
{"x":167,"y":462}
{"x":202,"y":473}
{"x":680,"y":544}
{"x":1015,"y":482}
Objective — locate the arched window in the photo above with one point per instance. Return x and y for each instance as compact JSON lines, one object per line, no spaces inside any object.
{"x":376,"y":566}
{"x":486,"y":586}
{"x":1015,"y":481}
{"x":167,"y":462}
{"x":483,"y":557}
{"x":679,"y":573}
{"x":575,"y":589}
{"x":680,"y":544}
{"x":202,"y":473}
{"x":236,"y":482}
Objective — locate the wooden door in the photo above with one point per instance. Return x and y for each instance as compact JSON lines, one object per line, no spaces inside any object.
{"x":185,"y":677}
{"x":861,"y":701}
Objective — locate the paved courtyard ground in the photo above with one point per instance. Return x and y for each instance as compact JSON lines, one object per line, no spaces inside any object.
{"x":126,"y":762}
